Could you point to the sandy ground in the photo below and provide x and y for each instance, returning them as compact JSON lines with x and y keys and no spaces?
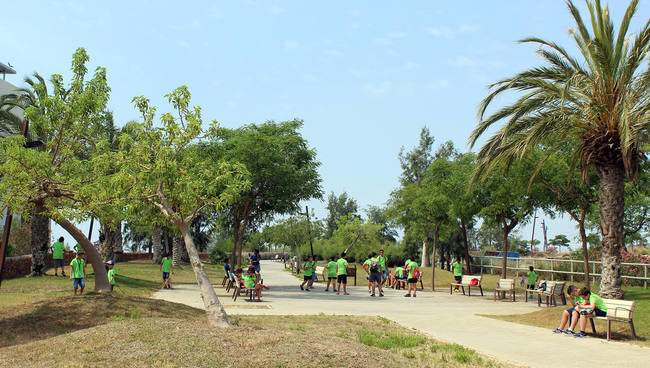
{"x":451,"y":318}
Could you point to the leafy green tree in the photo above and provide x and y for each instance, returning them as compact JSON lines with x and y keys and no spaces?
{"x":57,"y":181}
{"x":161,"y":169}
{"x":415,"y":163}
{"x":338,"y":207}
{"x":379,"y":216}
{"x":283,"y":172}
{"x":560,"y":241}
{"x":509,"y":200}
{"x":599,"y":100}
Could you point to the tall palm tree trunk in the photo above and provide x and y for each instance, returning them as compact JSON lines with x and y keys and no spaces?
{"x":177,"y":256}
{"x":156,"y":240}
{"x":40,"y":239}
{"x":612,"y":203}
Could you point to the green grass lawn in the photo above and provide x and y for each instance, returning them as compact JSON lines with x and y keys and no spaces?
{"x":550,"y":318}
{"x":135,"y":278}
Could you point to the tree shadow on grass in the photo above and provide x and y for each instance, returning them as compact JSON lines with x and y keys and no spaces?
{"x":26,"y":323}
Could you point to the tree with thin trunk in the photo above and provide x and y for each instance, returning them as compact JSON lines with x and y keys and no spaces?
{"x":599,"y":100}
{"x":58,"y":179}
{"x":156,"y":240}
{"x":163,"y":169}
{"x":283,"y":172}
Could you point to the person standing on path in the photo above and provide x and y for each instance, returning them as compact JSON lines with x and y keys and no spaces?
{"x":167,"y":268}
{"x":375,"y":274}
{"x":57,"y":256}
{"x":384,"y":270}
{"x":412,"y":268}
{"x":331,"y":274}
{"x":314,"y":275}
{"x":366,"y":267}
{"x":255,"y":260}
{"x":309,"y":269}
{"x":532,"y":279}
{"x":78,"y":273}
{"x":458,"y":273}
{"x":342,"y":274}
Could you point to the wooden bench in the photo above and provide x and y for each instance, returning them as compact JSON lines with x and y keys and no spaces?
{"x":505,"y":286}
{"x":466,"y":280}
{"x":239,"y":290}
{"x":617,"y":311}
{"x":554,"y":289}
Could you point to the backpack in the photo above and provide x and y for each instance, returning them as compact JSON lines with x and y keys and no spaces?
{"x":374,"y":266}
{"x":416,"y":274}
{"x":474,"y":282}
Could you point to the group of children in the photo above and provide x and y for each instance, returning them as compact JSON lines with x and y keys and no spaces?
{"x":585,"y":305}
{"x":251,"y":279}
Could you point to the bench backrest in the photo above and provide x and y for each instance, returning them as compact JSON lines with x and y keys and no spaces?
{"x":467,"y":279}
{"x":621,"y":309}
{"x":506,"y":284}
{"x":559,"y":288}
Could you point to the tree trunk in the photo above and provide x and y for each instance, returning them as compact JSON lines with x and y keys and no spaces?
{"x":612,"y":203}
{"x":106,"y":241}
{"x":504,"y":268}
{"x":425,"y":259}
{"x":40,"y":239}
{"x":185,"y":257}
{"x":116,"y":243}
{"x":177,"y":243}
{"x":235,"y":259}
{"x":585,"y":251}
{"x":92,"y":255}
{"x":466,"y":243}
{"x":433,"y":257}
{"x":156,"y":240}
{"x":217,"y":316}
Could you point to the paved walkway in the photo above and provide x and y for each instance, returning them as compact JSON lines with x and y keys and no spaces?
{"x":451,"y":318}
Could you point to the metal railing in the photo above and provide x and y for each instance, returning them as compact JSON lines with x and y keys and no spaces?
{"x":555,"y":266}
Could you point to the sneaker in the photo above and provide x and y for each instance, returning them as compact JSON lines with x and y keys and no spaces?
{"x":301,"y":288}
{"x":414,"y":295}
{"x":372,"y":294}
{"x":559,"y":331}
{"x":369,"y":291}
{"x":569,"y":332}
{"x":580,"y":334}
{"x":407,"y":295}
{"x":381,"y":293}
{"x":326,"y":290}
{"x":307,"y":290}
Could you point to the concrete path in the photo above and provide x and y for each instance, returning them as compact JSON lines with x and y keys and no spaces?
{"x":450,"y":318}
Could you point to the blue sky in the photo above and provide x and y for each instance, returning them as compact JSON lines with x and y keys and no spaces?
{"x":365,"y":76}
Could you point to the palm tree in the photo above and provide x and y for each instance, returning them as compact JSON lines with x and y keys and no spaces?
{"x":10,"y":124}
{"x":601,"y":100}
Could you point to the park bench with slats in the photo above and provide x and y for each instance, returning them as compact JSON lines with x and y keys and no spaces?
{"x":617,"y":311}
{"x":505,"y":286}
{"x":466,"y":281}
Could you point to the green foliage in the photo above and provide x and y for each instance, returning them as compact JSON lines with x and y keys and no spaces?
{"x":338,"y":207}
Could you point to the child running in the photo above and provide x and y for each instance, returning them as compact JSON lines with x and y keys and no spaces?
{"x":331,"y":274}
{"x":309,"y":269}
{"x":342,"y":274}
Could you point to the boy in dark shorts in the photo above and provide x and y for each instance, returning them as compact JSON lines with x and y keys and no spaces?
{"x":375,"y":274}
{"x":167,"y":268}
{"x":331,"y":274}
{"x":412,"y":268}
{"x":532,"y":278}
{"x":309,"y":269}
{"x":458,"y":272}
{"x":571,"y":313}
{"x":57,"y":256}
{"x":342,"y":274}
{"x":594,"y":307}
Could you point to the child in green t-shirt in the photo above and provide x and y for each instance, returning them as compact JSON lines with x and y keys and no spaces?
{"x":250,"y":282}
{"x":342,"y":274}
{"x":571,"y":313}
{"x":111,"y":273}
{"x":57,"y":256}
{"x":78,"y":273}
{"x":457,"y":267}
{"x":593,"y":306}
{"x":309,"y":269}
{"x":167,"y":268}
{"x":331,"y":274}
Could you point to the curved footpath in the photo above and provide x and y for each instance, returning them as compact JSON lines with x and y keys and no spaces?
{"x":450,"y":318}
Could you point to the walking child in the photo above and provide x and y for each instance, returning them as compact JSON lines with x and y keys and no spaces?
{"x":384,"y":270}
{"x":342,"y":274}
{"x":532,"y":278}
{"x":331,"y":274}
{"x":309,"y":268}
{"x":167,"y":268}
{"x":412,"y":268}
{"x":57,"y":256}
{"x":458,"y":272}
{"x":111,"y":273}
{"x":78,"y":273}
{"x":366,"y":267}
